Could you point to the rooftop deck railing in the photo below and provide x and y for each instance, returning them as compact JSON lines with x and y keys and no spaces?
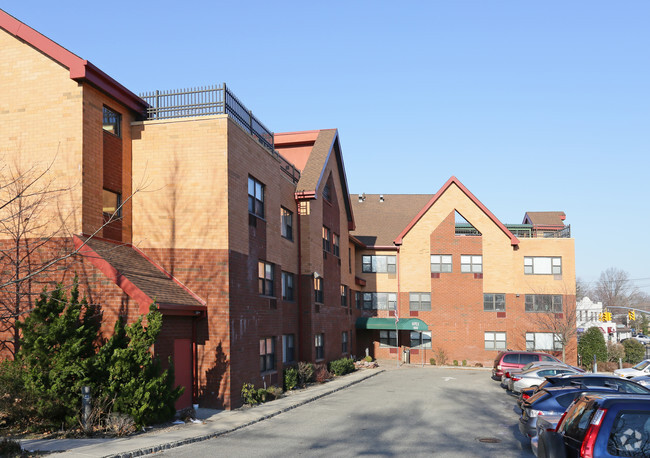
{"x":213,"y":100}
{"x":518,"y":230}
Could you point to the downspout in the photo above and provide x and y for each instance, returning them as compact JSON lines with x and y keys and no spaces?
{"x":299,"y":281}
{"x":399,"y":300}
{"x":195,"y":363}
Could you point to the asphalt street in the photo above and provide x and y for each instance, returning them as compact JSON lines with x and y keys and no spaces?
{"x":411,"y":411}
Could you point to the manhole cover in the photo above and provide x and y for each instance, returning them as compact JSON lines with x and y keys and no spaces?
{"x":489,"y":440}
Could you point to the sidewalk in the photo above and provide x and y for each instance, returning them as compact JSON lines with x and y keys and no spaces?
{"x":215,"y":423}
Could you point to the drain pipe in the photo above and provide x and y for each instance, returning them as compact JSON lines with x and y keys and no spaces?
{"x":299,"y":282}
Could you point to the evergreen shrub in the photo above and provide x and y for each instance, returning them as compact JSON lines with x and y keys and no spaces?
{"x":592,"y":343}
{"x":341,"y":366}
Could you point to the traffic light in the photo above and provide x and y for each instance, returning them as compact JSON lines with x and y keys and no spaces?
{"x":608,"y":316}
{"x":601,"y":317}
{"x":631,"y":315}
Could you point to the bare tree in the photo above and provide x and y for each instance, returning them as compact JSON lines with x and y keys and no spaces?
{"x":582,"y":289}
{"x":562,"y":325}
{"x":614,"y":288}
{"x":29,"y":226}
{"x":35,"y":240}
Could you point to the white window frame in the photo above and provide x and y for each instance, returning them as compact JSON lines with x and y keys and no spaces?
{"x":495,"y":340}
{"x":547,"y":341}
{"x":543,"y":265}
{"x":471,"y":264}
{"x":441,"y":263}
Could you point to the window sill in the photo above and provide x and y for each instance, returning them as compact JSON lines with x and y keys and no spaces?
{"x":267,"y":297}
{"x":257,"y":216}
{"x":286,"y":238}
{"x":269,"y":372}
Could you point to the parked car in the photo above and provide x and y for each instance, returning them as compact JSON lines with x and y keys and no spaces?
{"x":642,"y":338}
{"x":516,"y":359}
{"x":600,"y":425}
{"x":545,"y":423}
{"x":586,"y":381}
{"x":642,"y":380}
{"x":643,"y":368}
{"x":509,"y":373}
{"x":536,"y":376}
{"x":551,"y":401}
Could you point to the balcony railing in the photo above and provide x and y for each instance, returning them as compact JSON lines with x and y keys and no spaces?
{"x":518,"y":230}
{"x":213,"y":100}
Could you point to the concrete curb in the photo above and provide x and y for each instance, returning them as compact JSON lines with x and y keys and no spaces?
{"x":220,"y":424}
{"x":170,"y":445}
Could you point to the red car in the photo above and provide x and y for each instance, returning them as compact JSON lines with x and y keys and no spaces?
{"x":517,"y":359}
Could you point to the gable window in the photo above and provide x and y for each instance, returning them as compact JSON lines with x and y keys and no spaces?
{"x":379,"y":264}
{"x":540,"y":265}
{"x":542,"y":341}
{"x":420,"y":301}
{"x":288,"y":348}
{"x":286,"y":218}
{"x":440,"y":263}
{"x":265,"y":276}
{"x":344,"y":295}
{"x":544,"y":303}
{"x":319,"y":344}
{"x":380,"y":301}
{"x":318,"y":290}
{"x":112,"y":121}
{"x":471,"y":264}
{"x":287,"y":286}
{"x":344,"y":342}
{"x":335,"y":244}
{"x":388,"y":338}
{"x":112,"y":203}
{"x":255,"y":197}
{"x":420,"y":339}
{"x":495,"y":340}
{"x":494,"y":302}
{"x":327,"y":192}
{"x":267,"y":354}
{"x":327,"y":236}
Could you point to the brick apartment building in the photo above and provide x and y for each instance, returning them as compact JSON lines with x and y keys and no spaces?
{"x":250,"y":242}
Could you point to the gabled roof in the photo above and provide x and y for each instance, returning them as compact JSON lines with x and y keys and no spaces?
{"x":379,"y":222}
{"x":80,"y":70}
{"x":310,"y":151}
{"x":139,"y":277}
{"x":548,"y":219}
{"x":453,"y":180}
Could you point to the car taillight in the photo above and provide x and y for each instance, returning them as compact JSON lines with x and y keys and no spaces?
{"x":560,"y":422}
{"x":515,"y":378}
{"x":588,"y":445}
{"x":498,"y":367}
{"x":525,"y":396}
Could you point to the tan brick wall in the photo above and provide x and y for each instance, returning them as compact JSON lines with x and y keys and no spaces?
{"x":181,"y":167}
{"x":40,"y":119}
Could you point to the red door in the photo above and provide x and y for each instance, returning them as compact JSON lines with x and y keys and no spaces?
{"x":183,"y":371}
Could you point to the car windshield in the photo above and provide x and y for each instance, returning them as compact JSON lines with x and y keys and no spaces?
{"x":642,"y":365}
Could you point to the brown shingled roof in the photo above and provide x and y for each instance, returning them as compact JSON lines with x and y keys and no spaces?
{"x":379,"y":223}
{"x":545,"y":218}
{"x":141,"y":272}
{"x":311,"y":175}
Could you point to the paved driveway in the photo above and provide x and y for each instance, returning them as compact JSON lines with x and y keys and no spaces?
{"x":411,"y":411}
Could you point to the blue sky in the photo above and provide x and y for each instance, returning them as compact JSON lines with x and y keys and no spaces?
{"x":534,"y":106}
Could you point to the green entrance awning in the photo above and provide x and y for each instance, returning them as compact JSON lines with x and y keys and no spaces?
{"x":404,"y":324}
